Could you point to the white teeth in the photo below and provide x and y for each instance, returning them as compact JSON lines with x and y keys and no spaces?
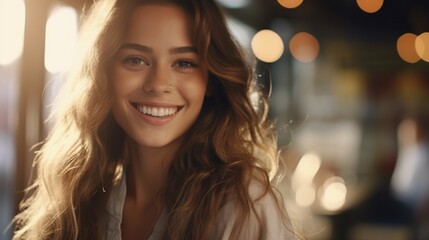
{"x":157,"y":111}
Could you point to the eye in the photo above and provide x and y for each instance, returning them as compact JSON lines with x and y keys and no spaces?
{"x":184,"y":64}
{"x":135,"y":62}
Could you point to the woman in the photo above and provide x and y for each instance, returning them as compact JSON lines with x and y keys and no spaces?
{"x":155,"y":136}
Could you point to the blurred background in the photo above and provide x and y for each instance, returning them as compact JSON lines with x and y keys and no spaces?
{"x":348,"y":82}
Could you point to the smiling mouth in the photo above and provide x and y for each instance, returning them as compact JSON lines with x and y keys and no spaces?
{"x":157,"y":111}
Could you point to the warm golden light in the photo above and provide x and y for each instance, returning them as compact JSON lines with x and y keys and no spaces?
{"x":61,"y":37}
{"x":406,"y":47}
{"x":304,"y":47}
{"x":305,"y":195}
{"x":290,"y":3}
{"x":370,"y":6}
{"x":305,"y":171}
{"x":267,"y":46}
{"x":12,"y":22}
{"x":422,"y":46}
{"x":333,"y":194}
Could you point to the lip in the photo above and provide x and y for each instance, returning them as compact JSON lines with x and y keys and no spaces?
{"x":154,"y":120}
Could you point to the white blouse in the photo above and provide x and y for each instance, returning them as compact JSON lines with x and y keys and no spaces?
{"x":266,"y":208}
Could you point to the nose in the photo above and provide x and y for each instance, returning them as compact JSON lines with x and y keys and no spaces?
{"x":158,"y":81}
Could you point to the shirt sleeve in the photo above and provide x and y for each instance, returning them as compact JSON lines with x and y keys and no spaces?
{"x":275,"y":226}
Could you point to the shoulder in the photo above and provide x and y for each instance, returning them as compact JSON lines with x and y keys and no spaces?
{"x":269,"y":217}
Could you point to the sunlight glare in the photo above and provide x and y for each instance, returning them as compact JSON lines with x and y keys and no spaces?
{"x":305,"y":195}
{"x":306,"y":170}
{"x":333,"y":193}
{"x":12,"y":23}
{"x":61,"y":37}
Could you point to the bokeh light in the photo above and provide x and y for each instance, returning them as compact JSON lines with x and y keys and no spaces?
{"x":290,"y":3}
{"x":305,"y":195}
{"x":333,"y":194}
{"x":406,"y":47}
{"x":267,"y":46}
{"x":370,"y":6}
{"x":305,"y":170}
{"x":61,"y":37}
{"x":12,"y":23}
{"x":234,"y":3}
{"x":407,"y":132}
{"x":422,"y":46}
{"x":304,"y":47}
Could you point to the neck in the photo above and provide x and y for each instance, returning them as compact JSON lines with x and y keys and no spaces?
{"x":148,"y":171}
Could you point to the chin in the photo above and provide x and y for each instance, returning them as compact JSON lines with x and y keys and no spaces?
{"x":155,"y":142}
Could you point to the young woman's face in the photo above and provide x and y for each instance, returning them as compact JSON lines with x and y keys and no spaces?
{"x":159,"y":80}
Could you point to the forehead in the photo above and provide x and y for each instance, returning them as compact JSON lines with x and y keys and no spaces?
{"x":154,"y":24}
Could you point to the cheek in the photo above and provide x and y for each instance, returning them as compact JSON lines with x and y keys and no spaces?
{"x":122,"y":82}
{"x":195,"y":88}
{"x":195,"y":92}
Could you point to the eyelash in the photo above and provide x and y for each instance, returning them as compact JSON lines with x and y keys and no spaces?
{"x":181,"y":63}
{"x":189,"y":63}
{"x":131,"y":61}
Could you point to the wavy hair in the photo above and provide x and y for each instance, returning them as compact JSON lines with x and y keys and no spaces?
{"x":229,"y":145}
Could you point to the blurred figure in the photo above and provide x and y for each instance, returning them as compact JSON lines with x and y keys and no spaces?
{"x":410,"y":179}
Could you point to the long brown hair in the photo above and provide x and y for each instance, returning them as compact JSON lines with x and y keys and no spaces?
{"x":228,"y":146}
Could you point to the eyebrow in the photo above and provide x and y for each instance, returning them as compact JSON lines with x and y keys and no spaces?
{"x":146,"y":49}
{"x":183,"y":50}
{"x":137,"y":47}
